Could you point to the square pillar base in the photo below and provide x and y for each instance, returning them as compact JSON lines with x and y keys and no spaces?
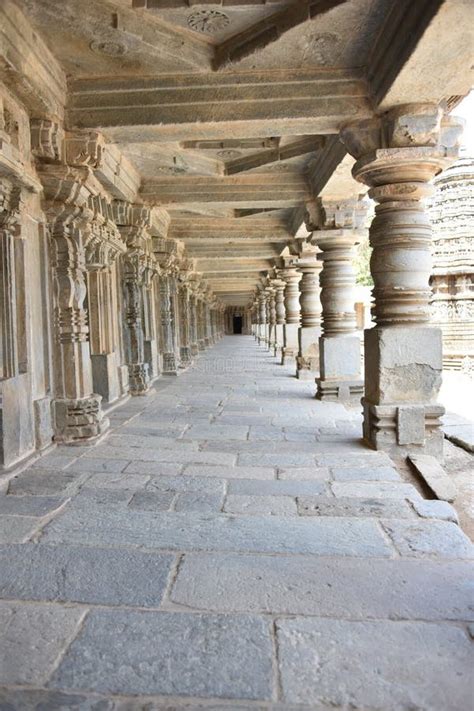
{"x":80,"y":420}
{"x":339,"y":367}
{"x":290,"y":343}
{"x":402,"y":378}
{"x":307,"y":362}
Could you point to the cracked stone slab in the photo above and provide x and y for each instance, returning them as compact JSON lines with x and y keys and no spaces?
{"x":327,"y":587}
{"x":366,"y":664}
{"x":29,"y":505}
{"x":31,"y":639}
{"x":441,"y":539}
{"x":261,"y":504}
{"x":192,"y":531}
{"x":82,"y":574}
{"x":359,"y":507}
{"x":132,"y":652}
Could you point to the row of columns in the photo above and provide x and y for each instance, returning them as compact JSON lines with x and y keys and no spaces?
{"x":397,"y":156}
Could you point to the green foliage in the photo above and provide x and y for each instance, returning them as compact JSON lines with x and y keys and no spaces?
{"x":362,"y":263}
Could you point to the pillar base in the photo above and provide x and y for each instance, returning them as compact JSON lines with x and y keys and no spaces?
{"x":105,"y":376}
{"x":201,"y":344}
{"x":170,"y":365}
{"x":288,"y":356}
{"x":194,"y":349}
{"x":139,"y":378}
{"x":402,"y":377}
{"x":339,"y":366}
{"x":344,"y":391}
{"x":79,"y":420}
{"x":307,"y":362}
{"x":185,"y":356}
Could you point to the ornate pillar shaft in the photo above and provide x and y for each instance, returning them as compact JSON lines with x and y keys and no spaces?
{"x":398,"y":156}
{"x":201,"y":326}
{"x":291,"y":276}
{"x":335,"y":224}
{"x":193,"y":326}
{"x":307,"y":362}
{"x":279,"y":287}
{"x":185,"y":326}
{"x":170,"y":365}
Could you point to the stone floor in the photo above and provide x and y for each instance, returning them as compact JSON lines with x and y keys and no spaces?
{"x":231,"y":545}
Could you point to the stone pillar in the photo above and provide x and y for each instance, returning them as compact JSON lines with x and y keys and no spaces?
{"x":279,"y":287}
{"x":133,"y":221}
{"x":337,"y":222}
{"x":307,"y":361}
{"x":397,"y":156}
{"x":207,"y":324}
{"x":170,"y":363}
{"x":185,"y":325}
{"x":193,"y":326}
{"x":291,"y":276}
{"x":262,"y":317}
{"x":201,"y":326}
{"x":271,"y":318}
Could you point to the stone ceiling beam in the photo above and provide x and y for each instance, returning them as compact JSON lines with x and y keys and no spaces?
{"x":301,"y":147}
{"x":253,"y":190}
{"x":220,"y":106}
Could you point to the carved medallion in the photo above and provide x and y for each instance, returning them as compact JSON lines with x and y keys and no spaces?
{"x":111,"y":48}
{"x":208,"y":21}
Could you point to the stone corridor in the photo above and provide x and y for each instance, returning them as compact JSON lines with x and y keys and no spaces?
{"x":230,"y":544}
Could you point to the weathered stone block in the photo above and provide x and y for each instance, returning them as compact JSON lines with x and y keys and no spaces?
{"x":440,"y":539}
{"x":187,"y":654}
{"x":31,"y":640}
{"x":358,"y":507}
{"x":339,"y":357}
{"x":366,"y":665}
{"x":89,"y":575}
{"x":43,"y":422}
{"x":262,"y":504}
{"x":434,"y":475}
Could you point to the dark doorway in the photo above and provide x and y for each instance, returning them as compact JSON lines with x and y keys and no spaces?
{"x":237,"y":324}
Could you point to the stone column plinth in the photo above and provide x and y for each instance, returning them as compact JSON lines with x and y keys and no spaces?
{"x":403,"y":355}
{"x":291,"y":277}
{"x":339,"y":346}
{"x":307,"y":361}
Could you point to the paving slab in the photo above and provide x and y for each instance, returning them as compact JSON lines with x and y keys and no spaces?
{"x":29,"y":505}
{"x":192,"y":531}
{"x":434,"y":475}
{"x":42,"y":700}
{"x":195,"y":501}
{"x":152,"y":500}
{"x":32,"y":637}
{"x":276,"y":488}
{"x":358,"y":507}
{"x":305,"y":473}
{"x":435,"y":509}
{"x":132,"y":652}
{"x":261,"y":504}
{"x":367,"y":473}
{"x":46,"y":482}
{"x":93,"y":466}
{"x":81,"y":574}
{"x":238,"y":472}
{"x":440,"y":539}
{"x":16,"y":529}
{"x":365,"y":664}
{"x":327,"y":587}
{"x":375,"y":490}
{"x":187,"y":484}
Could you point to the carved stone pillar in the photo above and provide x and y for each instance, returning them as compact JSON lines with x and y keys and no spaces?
{"x":185,"y":325}
{"x":262,"y":317}
{"x":279,"y":287}
{"x":336,"y":223}
{"x":307,"y":361}
{"x":291,"y":276}
{"x":193,"y":326}
{"x":137,"y":268}
{"x":170,"y":364}
{"x":201,"y":326}
{"x":397,"y":156}
{"x":271,"y":315}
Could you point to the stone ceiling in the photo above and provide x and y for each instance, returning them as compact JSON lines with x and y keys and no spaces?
{"x":230,"y":110}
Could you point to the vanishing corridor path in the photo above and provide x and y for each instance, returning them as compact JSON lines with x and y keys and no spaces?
{"x":230,"y":545}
